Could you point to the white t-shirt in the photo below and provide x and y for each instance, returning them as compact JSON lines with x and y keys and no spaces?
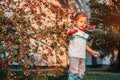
{"x":77,"y":44}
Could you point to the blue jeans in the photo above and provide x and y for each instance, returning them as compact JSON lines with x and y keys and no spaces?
{"x":72,"y":76}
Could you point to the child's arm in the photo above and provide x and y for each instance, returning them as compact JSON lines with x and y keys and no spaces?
{"x":94,"y":53}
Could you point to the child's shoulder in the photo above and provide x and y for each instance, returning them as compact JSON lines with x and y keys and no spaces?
{"x":72,"y":31}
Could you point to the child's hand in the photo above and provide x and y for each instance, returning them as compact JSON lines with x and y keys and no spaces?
{"x":95,"y":54}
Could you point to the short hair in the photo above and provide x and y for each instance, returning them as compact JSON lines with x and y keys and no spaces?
{"x":80,"y":14}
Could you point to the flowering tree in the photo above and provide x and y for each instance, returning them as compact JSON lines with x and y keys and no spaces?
{"x":33,"y":28}
{"x":106,"y":16}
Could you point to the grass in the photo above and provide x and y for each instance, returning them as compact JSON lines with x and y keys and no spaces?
{"x":102,"y":77}
{"x":90,"y":75}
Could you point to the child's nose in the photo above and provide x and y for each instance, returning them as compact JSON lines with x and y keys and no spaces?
{"x":83,"y":24}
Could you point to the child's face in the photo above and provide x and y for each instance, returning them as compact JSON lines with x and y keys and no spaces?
{"x":80,"y":22}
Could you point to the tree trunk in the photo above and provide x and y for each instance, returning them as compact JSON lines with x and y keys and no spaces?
{"x":118,"y":57}
{"x":116,"y":64}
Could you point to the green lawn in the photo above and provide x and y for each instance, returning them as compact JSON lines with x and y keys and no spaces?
{"x":89,"y":76}
{"x":102,"y":77}
{"x":92,"y":77}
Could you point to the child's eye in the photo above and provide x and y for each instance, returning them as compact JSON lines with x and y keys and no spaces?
{"x":82,"y":22}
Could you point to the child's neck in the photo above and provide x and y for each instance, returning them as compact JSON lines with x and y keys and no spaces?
{"x":81,"y":29}
{"x":87,"y":28}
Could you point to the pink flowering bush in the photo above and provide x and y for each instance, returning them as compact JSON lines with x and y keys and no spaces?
{"x":33,"y":32}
